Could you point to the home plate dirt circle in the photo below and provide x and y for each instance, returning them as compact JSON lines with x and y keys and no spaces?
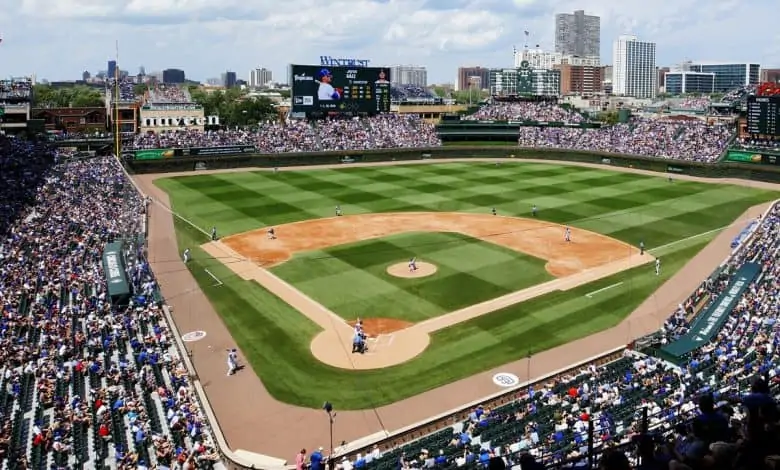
{"x":402,"y":270}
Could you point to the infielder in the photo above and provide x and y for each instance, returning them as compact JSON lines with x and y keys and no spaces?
{"x":271,"y":233}
{"x":534,"y":210}
{"x":413,"y":265}
{"x":657,"y":267}
{"x":567,"y":234}
{"x":186,"y":255}
{"x":338,"y":211}
{"x":493,"y":210}
{"x":232,"y":362}
{"x":641,"y":247}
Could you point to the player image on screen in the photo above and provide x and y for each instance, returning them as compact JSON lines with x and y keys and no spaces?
{"x":326,"y":92}
{"x":382,"y":77}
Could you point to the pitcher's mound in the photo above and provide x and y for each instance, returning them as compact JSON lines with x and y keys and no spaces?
{"x":402,"y":270}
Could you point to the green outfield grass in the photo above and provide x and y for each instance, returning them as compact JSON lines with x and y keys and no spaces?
{"x":352,"y":279}
{"x":275,"y":339}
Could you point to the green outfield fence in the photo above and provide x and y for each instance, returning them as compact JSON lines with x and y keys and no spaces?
{"x":728,"y":168}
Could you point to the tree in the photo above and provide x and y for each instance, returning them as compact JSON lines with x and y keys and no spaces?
{"x":233,"y":106}
{"x":45,"y":96}
{"x":474,"y":96}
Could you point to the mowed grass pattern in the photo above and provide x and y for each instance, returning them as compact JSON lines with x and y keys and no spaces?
{"x":352,"y":280}
{"x":625,"y":206}
{"x":275,"y":338}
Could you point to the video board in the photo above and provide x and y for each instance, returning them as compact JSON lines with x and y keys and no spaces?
{"x":763,"y":115}
{"x":340,"y":89}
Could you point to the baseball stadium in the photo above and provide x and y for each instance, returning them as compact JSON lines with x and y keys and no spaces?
{"x":521,"y":283}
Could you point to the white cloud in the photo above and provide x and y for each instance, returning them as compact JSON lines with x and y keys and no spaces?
{"x":58,"y":39}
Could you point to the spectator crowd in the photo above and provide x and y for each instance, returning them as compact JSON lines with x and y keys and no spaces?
{"x":682,"y":140}
{"x":526,"y":111}
{"x":126,"y":90}
{"x":375,"y":132}
{"x":86,"y":382}
{"x":715,"y":410}
{"x":169,"y":94}
{"x":16,"y":88}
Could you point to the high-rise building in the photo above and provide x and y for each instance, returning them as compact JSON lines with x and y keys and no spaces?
{"x":414,"y":75}
{"x":770,"y":75}
{"x":86,"y":75}
{"x":478,"y":77}
{"x":729,"y":75}
{"x":229,"y":79}
{"x":112,"y":69}
{"x":173,"y":76}
{"x":260,"y":77}
{"x":580,"y":79}
{"x":661,"y":77}
{"x":578,"y":34}
{"x":634,"y":71}
{"x":678,"y":83}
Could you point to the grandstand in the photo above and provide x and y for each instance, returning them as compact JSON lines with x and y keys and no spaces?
{"x":410,"y":94}
{"x":92,"y":377}
{"x":163,"y":94}
{"x":16,"y":95}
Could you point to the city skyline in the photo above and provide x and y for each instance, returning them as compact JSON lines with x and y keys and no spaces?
{"x":207,"y":39}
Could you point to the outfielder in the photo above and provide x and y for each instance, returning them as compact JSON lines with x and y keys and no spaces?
{"x":493,"y":210}
{"x":534,"y":210}
{"x":413,"y":265}
{"x":657,"y":267}
{"x":641,"y":247}
{"x":213,"y":233}
{"x":567,"y":234}
{"x":186,"y":255}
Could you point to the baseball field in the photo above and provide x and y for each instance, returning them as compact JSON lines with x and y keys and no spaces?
{"x":489,"y":289}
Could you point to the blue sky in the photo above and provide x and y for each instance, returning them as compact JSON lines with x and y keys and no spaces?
{"x":59,"y":39}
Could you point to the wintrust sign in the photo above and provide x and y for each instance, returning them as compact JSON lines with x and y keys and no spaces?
{"x":328,"y":61}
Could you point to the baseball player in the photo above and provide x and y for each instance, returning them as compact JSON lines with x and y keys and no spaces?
{"x":338,"y":211}
{"x":276,"y":169}
{"x":493,"y":210}
{"x":186,"y":255}
{"x":641,"y":247}
{"x":213,"y":233}
{"x":413,"y":265}
{"x":271,"y":233}
{"x":657,"y":267}
{"x":232,"y":361}
{"x":326,"y":92}
{"x":534,"y":210}
{"x":567,"y":234}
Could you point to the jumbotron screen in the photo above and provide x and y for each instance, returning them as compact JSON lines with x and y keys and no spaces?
{"x":763,"y":115}
{"x":340,"y":89}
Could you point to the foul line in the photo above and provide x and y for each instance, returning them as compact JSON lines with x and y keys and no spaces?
{"x":692,"y":237}
{"x":186,"y":221}
{"x":218,"y":282}
{"x":591,"y":294}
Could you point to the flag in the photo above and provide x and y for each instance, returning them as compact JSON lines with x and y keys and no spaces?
{"x":526,"y":33}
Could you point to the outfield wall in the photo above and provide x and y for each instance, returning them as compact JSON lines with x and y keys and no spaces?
{"x":708,"y":170}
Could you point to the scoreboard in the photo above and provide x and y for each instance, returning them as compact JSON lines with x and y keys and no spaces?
{"x":340,"y":89}
{"x":763,"y":115}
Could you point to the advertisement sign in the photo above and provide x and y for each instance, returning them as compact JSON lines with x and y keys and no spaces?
{"x":743,"y":157}
{"x":216,"y":151}
{"x":675,"y":169}
{"x":328,"y":61}
{"x":114,"y":272}
{"x":709,"y":322}
{"x":153,"y":154}
{"x":340,"y":89}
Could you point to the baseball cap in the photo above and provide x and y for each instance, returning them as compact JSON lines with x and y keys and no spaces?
{"x":324,"y":73}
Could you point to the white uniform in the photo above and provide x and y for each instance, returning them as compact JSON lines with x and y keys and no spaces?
{"x":413,"y":264}
{"x":232,"y":361}
{"x":567,"y":234}
{"x":186,"y":255}
{"x":657,"y":267}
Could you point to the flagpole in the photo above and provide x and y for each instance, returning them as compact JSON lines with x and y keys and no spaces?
{"x":117,"y":139}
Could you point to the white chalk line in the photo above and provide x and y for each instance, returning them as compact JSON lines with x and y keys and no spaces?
{"x":591,"y":294}
{"x":216,"y":279}
{"x":692,"y":237}
{"x":186,"y":221}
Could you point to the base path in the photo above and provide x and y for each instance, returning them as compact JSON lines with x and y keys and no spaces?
{"x":423,"y":269}
{"x":243,"y":405}
{"x":588,"y":257}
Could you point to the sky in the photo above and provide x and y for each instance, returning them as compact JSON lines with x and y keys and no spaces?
{"x":59,"y":39}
